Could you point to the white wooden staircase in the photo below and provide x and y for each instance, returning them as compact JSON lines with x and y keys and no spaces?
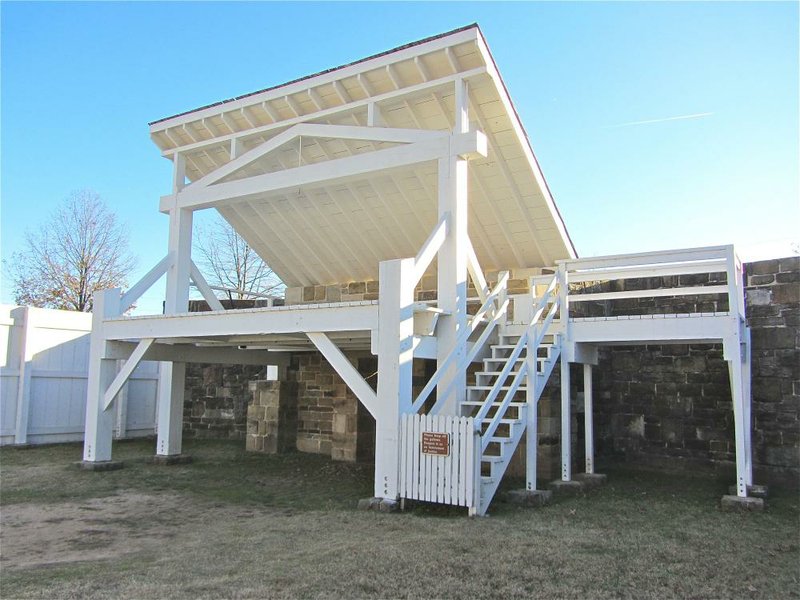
{"x":497,"y":408}
{"x":498,"y":401}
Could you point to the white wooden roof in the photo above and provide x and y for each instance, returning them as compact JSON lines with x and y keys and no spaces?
{"x":340,"y":232}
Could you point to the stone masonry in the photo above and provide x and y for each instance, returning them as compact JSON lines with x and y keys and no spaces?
{"x":665,"y":404}
{"x":272,"y":417}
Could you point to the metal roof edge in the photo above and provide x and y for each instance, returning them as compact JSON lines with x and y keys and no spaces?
{"x":324,"y":72}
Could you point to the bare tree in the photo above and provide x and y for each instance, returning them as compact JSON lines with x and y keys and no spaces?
{"x":227,"y":261}
{"x":81,"y":249}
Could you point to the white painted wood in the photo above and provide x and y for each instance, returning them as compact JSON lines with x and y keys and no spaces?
{"x":331,"y":113}
{"x":99,"y":423}
{"x":566,"y":422}
{"x":170,"y":408}
{"x":178,"y":172}
{"x":657,"y":293}
{"x":476,"y":273}
{"x":588,"y":417}
{"x":452,"y":259}
{"x":146,"y":282}
{"x":121,"y":426}
{"x":614,"y":261}
{"x":189,"y":353}
{"x":335,"y":75}
{"x":747,"y":400}
{"x":443,"y":479}
{"x":532,"y":410}
{"x":333,"y":171}
{"x":431,"y":247}
{"x":733,"y":351}
{"x":126,"y":371}
{"x":259,"y":321}
{"x":654,"y":270}
{"x":395,"y":360}
{"x":204,"y":288}
{"x":172,"y":374}
{"x":346,"y":371}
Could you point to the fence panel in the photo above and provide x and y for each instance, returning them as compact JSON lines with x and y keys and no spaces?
{"x":438,"y":459}
{"x":48,"y":351}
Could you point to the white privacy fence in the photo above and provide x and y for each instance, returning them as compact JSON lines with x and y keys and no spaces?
{"x":44,"y":357}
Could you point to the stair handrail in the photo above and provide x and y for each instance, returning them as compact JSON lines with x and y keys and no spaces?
{"x":548,"y":297}
{"x":498,"y":309}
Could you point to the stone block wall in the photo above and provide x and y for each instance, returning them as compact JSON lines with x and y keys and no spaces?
{"x":671,"y":404}
{"x":216,"y":400}
{"x":330,"y":419}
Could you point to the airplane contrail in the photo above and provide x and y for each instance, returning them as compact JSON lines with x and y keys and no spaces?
{"x":647,"y":122}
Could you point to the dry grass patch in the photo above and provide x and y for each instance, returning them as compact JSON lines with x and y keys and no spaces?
{"x":241,"y":526}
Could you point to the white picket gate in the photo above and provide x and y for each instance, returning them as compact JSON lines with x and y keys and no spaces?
{"x":44,"y":357}
{"x":440,"y":459}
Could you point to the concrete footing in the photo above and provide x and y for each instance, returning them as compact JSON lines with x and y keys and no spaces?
{"x":591,"y":480}
{"x":738,"y":504}
{"x":173,"y":459}
{"x":565,"y":488}
{"x":379,"y":504}
{"x":529,"y":497}
{"x":756,"y":491}
{"x":103,"y":465}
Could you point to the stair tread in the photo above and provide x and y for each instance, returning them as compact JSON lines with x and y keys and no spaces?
{"x":503,"y":421}
{"x":500,"y":440}
{"x":481,"y":403}
{"x":491,"y":458}
{"x":489,"y":387}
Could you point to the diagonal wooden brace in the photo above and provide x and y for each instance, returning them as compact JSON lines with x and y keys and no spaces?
{"x":125,"y":372}
{"x":346,"y":370}
{"x":204,"y":288}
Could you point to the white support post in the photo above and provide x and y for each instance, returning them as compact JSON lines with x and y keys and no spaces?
{"x":395,"y":362}
{"x":532,"y":408}
{"x":22,"y":319}
{"x":121,"y":428}
{"x":733,"y":355}
{"x":452,"y":262}
{"x":588,"y":413}
{"x":566,"y":421}
{"x":99,"y":422}
{"x":747,"y":399}
{"x":172,"y":374}
{"x":179,"y":172}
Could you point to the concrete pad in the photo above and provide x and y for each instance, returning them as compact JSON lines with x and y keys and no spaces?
{"x":591,"y":480}
{"x":736,"y":503}
{"x":756,"y":491}
{"x":369,"y":503}
{"x":104,"y":465}
{"x":529,"y":497}
{"x":565,"y":488}
{"x":173,"y":459}
{"x":387,"y":505}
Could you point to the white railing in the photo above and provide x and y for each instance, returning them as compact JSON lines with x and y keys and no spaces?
{"x":695,"y":261}
{"x":491,"y":312}
{"x":531,"y":339}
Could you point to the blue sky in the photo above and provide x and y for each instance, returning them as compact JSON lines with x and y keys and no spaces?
{"x":81,"y":81}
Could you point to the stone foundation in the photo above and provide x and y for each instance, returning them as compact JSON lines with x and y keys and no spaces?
{"x":272,"y":417}
{"x":217,"y":397}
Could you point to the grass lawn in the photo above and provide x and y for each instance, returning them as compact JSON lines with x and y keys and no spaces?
{"x":240,"y":525}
